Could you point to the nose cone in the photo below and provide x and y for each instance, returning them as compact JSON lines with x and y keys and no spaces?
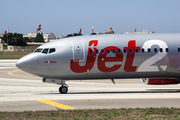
{"x":25,"y":64}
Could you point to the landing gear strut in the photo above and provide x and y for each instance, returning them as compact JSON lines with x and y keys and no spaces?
{"x":64,"y":88}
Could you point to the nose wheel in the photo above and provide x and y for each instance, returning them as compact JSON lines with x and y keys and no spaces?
{"x":63,"y":89}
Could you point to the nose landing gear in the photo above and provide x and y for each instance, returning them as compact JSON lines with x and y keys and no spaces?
{"x":64,"y":88}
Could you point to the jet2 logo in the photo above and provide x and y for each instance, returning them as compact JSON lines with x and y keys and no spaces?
{"x":91,"y":57}
{"x":128,"y":66}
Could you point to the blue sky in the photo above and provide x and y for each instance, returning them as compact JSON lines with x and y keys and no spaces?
{"x":68,"y":16}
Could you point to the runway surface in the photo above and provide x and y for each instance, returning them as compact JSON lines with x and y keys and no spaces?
{"x":20,"y":91}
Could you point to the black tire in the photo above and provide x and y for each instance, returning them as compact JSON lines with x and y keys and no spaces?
{"x":63,"y":89}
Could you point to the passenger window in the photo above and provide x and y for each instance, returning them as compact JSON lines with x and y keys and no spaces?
{"x":161,"y":50}
{"x":96,"y":50}
{"x":124,"y":50}
{"x":119,"y":50}
{"x":114,"y":50}
{"x":178,"y":49}
{"x":155,"y":49}
{"x":149,"y":50}
{"x":102,"y":51}
{"x":52,"y":50}
{"x":108,"y":51}
{"x":45,"y":51}
{"x":38,"y":50}
{"x":137,"y":50}
{"x":167,"y":50}
{"x":130,"y":50}
{"x":90,"y":51}
{"x":142,"y":50}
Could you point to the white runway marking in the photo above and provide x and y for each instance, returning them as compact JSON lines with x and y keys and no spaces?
{"x":6,"y":67}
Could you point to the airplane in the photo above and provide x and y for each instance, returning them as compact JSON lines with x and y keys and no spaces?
{"x":152,"y":58}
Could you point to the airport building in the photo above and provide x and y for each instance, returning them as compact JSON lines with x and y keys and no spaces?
{"x":1,"y":35}
{"x":1,"y":45}
{"x":31,"y":35}
{"x":144,"y":31}
{"x":110,"y":31}
{"x":49,"y":37}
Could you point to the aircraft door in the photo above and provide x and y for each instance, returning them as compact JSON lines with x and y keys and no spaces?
{"x":78,"y":50}
{"x":35,"y":63}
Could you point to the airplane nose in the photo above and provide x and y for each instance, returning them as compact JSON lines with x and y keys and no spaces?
{"x":24,"y":64}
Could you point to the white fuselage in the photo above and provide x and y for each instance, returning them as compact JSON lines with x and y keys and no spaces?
{"x":106,"y":57}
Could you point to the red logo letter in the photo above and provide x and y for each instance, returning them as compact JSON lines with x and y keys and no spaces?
{"x":128,"y":67}
{"x":102,"y":59}
{"x":91,"y":57}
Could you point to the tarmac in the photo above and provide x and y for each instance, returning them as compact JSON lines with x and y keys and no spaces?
{"x":20,"y":91}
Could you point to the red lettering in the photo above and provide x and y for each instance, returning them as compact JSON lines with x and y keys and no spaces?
{"x":53,"y":62}
{"x":91,"y":57}
{"x":128,"y":67}
{"x":50,"y":62}
{"x":102,"y":59}
{"x":93,"y":43}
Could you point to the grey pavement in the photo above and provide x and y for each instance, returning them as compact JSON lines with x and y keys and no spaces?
{"x":20,"y":91}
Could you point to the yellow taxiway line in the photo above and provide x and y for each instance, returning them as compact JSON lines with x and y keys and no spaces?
{"x":58,"y":105}
{"x":20,"y":75}
{"x":11,"y":72}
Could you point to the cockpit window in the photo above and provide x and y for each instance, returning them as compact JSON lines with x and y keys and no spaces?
{"x":38,"y":50}
{"x":52,"y":50}
{"x":45,"y":51}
